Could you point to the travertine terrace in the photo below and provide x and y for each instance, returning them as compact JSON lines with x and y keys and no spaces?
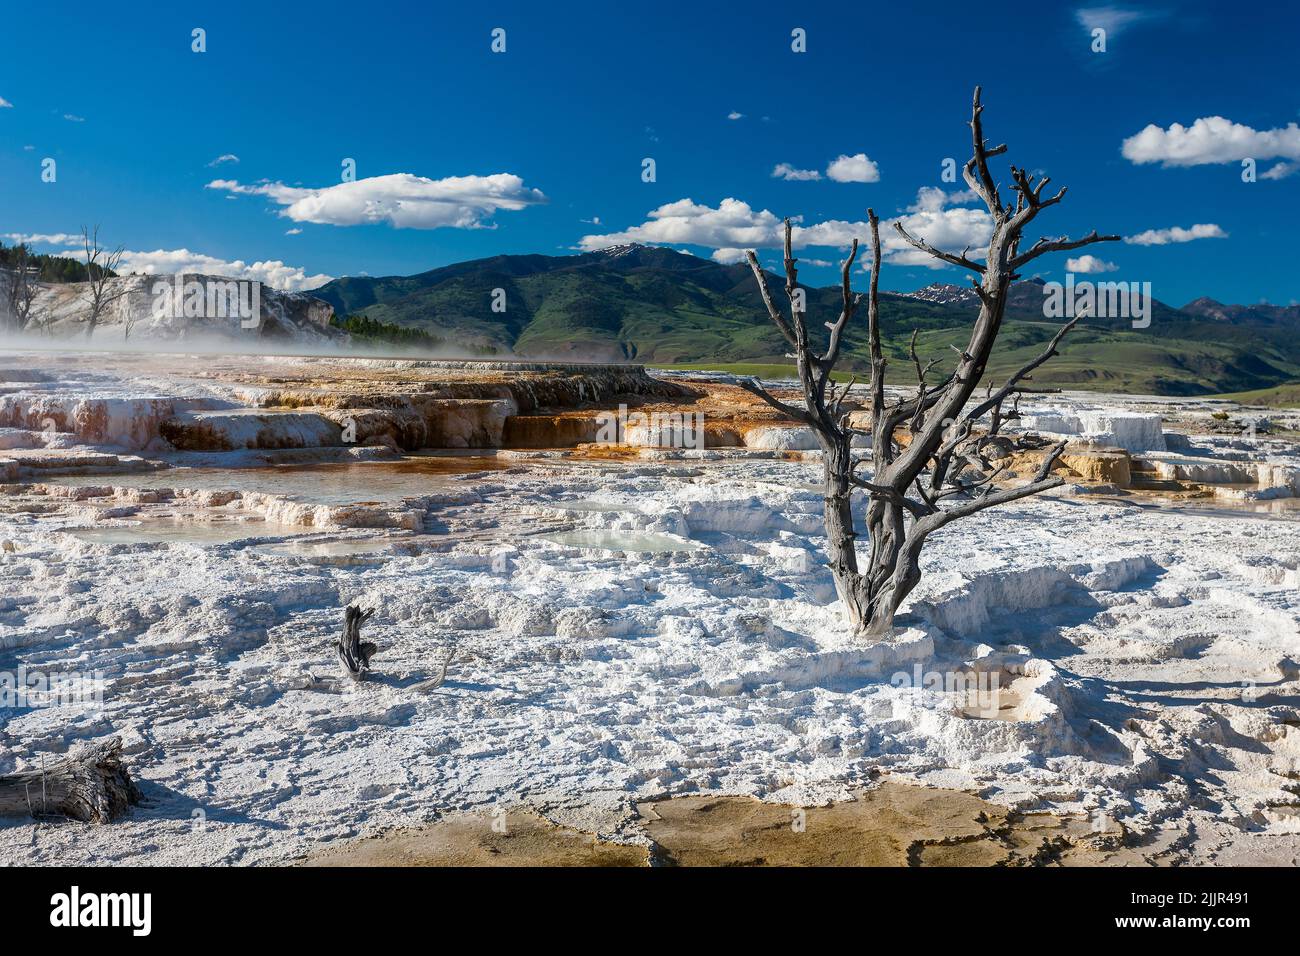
{"x":622,"y":623}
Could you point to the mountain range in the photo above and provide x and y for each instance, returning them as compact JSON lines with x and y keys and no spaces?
{"x":663,"y":307}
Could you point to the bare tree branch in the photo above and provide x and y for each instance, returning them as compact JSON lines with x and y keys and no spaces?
{"x":925,"y":247}
{"x":1043,"y":246}
{"x":798,"y":414}
{"x":773,"y":312}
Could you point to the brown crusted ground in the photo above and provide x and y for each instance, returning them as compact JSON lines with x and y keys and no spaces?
{"x":896,"y":824}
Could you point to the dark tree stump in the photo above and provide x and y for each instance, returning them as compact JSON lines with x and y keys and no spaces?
{"x":90,"y":784}
{"x":353,"y":654}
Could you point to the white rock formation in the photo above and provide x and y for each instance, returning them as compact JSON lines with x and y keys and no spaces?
{"x":781,"y":438}
{"x":148,"y":309}
{"x":1127,"y":430}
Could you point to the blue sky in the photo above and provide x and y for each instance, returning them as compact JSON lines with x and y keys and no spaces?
{"x":462,"y":153}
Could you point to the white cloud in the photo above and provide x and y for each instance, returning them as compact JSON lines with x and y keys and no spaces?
{"x":1280,"y":171}
{"x":224,"y":158}
{"x":1163,"y":237}
{"x":402,"y":200}
{"x":272,"y":272}
{"x":169,"y":262}
{"x":1114,"y":20}
{"x":853,"y":169}
{"x":734,"y":115}
{"x":790,"y":174}
{"x":1210,"y":139}
{"x":734,"y":226}
{"x":295,"y":231}
{"x":929,"y":218}
{"x":44,"y":238}
{"x":5,"y":104}
{"x":1089,"y":264}
{"x":73,"y":118}
{"x":728,"y":257}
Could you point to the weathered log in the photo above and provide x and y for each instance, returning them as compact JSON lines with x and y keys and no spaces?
{"x":90,"y":784}
{"x":352,"y":653}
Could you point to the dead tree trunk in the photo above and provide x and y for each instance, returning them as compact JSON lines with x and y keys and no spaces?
{"x":101,"y":269}
{"x":22,"y":290}
{"x":91,"y":784}
{"x":918,"y":487}
{"x":353,"y":654}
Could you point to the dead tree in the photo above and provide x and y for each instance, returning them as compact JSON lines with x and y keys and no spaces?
{"x":936,"y":473}
{"x":92,"y":784}
{"x":21,"y":291}
{"x":101,"y":269}
{"x":353,"y":654}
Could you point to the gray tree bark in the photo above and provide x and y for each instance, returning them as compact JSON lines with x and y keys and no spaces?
{"x":353,"y":654}
{"x":91,"y":784}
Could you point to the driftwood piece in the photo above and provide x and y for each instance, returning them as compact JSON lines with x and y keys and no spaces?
{"x":90,"y":784}
{"x":353,"y":654}
{"x":436,"y":682}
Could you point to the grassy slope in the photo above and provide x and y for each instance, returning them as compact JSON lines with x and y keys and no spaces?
{"x":707,"y":316}
{"x":1280,"y":396}
{"x":1092,"y":361}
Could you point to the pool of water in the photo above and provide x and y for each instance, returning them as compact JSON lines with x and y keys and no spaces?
{"x":606,"y":540}
{"x":1236,"y":507}
{"x":177,"y":531}
{"x":326,"y":483}
{"x":593,"y":505}
{"x":1287,"y":509}
{"x":330,"y":548}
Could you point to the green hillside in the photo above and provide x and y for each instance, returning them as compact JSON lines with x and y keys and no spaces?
{"x":668,"y":308}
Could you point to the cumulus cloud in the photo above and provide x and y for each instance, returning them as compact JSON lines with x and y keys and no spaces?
{"x":735,"y":115}
{"x":5,"y":104}
{"x":728,"y":257}
{"x":1114,"y":20}
{"x":734,"y":226}
{"x":1089,"y":264}
{"x":790,"y":174}
{"x":1210,"y":139}
{"x":402,"y":200}
{"x":1163,"y":237}
{"x":271,"y":272}
{"x":1280,"y":171}
{"x":949,"y":229}
{"x":73,"y":118}
{"x":224,"y":158}
{"x":853,"y":169}
{"x":43,"y":238}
